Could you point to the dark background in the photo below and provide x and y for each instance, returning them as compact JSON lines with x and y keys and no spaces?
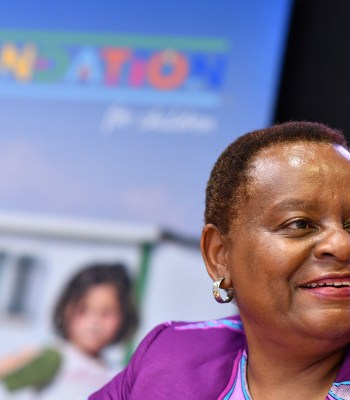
{"x":315,"y":79}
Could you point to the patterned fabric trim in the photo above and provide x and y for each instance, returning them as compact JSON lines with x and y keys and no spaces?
{"x":340,"y":391}
{"x":233,"y":380}
{"x":235,"y":325}
{"x":244,"y":383}
{"x":238,"y":387}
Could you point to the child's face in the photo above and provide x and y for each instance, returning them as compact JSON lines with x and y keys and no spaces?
{"x":94,"y":321}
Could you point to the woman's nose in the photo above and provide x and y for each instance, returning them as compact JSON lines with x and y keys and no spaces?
{"x":335,"y":244}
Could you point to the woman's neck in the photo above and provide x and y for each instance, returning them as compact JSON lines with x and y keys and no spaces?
{"x":276,"y":374}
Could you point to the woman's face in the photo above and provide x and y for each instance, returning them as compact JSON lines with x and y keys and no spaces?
{"x":94,"y":321}
{"x":289,"y":251}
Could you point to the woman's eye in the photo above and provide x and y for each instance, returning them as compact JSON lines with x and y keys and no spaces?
{"x":347,"y":226}
{"x":300,"y":227}
{"x":301,"y":224}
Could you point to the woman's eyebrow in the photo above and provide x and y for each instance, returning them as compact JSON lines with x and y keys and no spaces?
{"x":292,"y":204}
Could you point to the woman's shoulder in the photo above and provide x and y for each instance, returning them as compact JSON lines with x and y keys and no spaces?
{"x":192,"y":337}
{"x":229,"y":328}
{"x":177,"y":351}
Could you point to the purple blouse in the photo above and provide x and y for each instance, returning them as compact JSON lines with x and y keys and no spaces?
{"x":197,"y":361}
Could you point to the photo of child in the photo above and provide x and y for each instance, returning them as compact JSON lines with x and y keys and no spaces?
{"x":96,"y":309}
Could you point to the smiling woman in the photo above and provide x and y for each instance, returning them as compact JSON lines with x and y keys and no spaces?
{"x":277,"y":235}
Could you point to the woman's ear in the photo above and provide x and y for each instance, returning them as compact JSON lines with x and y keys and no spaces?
{"x":214,"y":252}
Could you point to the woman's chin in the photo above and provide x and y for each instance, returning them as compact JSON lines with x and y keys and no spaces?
{"x":327,"y":324}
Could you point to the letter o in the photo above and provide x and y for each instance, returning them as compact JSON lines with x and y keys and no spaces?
{"x":170,"y":81}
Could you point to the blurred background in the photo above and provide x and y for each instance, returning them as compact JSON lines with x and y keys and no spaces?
{"x":112,"y":114}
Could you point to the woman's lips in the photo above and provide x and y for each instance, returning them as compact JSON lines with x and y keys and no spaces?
{"x":328,"y":282}
{"x":329,"y":287}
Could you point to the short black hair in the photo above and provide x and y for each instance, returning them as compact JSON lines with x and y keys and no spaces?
{"x":115,"y":275}
{"x":231,"y":171}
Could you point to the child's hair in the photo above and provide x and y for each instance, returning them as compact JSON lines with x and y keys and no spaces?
{"x":99,"y":273}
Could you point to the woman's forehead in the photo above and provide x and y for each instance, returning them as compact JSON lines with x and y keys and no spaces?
{"x":299,"y":154}
{"x":342,"y":151}
{"x":287,"y":166}
{"x":294,"y":176}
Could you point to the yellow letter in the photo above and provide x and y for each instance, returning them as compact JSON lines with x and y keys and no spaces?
{"x":20,"y":63}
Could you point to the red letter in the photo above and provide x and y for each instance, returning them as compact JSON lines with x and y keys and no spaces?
{"x":179,"y":68}
{"x":115,"y":58}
